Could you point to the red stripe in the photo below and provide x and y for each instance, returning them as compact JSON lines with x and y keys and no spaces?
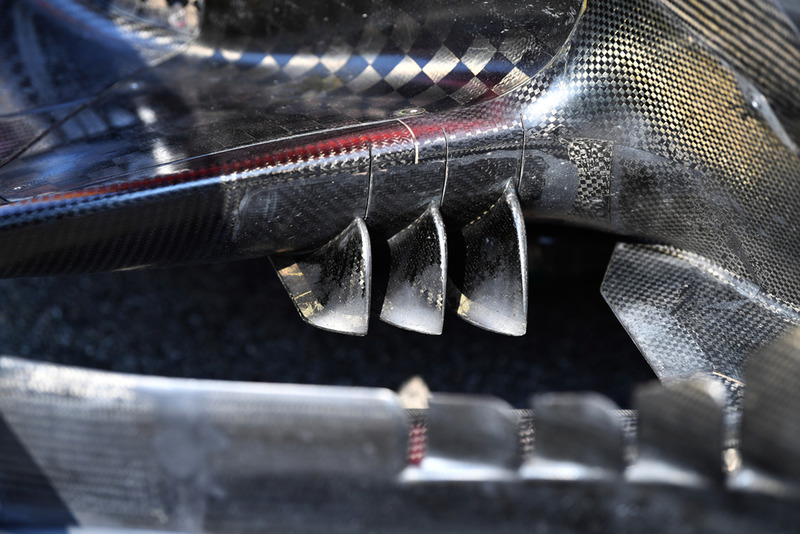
{"x":297,"y":155}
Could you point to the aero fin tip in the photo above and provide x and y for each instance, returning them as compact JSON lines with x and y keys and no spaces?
{"x":494,"y":294}
{"x":331,"y":286}
{"x":417,"y":280}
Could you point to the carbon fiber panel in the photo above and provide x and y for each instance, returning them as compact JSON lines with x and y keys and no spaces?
{"x":378,"y":58}
{"x":736,"y":30}
{"x":689,"y":317}
{"x":686,"y":169}
{"x":144,"y":452}
{"x":637,"y":124}
{"x":187,"y":447}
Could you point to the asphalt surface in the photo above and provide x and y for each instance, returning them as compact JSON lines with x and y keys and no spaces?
{"x":234,"y":322}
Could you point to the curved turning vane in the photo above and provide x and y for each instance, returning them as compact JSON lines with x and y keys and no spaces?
{"x":331,"y":286}
{"x":415,"y":294}
{"x":494,"y":293}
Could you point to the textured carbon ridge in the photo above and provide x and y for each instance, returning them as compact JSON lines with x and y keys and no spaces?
{"x":470,"y":437}
{"x":346,"y":455}
{"x":577,"y":435}
{"x":593,"y":159}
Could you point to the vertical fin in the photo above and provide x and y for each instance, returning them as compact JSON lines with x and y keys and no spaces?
{"x":494,"y":294}
{"x":681,"y":431}
{"x":415,"y":295}
{"x":331,"y":286}
{"x":771,"y":419}
{"x":471,"y":436}
{"x":578,"y":436}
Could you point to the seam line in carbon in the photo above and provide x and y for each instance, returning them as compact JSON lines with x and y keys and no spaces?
{"x":369,"y":181}
{"x":446,"y":165}
{"x":522,"y":152}
{"x":414,"y":138}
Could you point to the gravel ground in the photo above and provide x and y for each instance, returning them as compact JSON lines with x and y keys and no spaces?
{"x":234,"y":322}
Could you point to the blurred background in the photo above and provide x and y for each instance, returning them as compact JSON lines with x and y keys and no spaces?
{"x":234,"y":321}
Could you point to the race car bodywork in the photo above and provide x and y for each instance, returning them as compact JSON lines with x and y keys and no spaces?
{"x":135,"y":135}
